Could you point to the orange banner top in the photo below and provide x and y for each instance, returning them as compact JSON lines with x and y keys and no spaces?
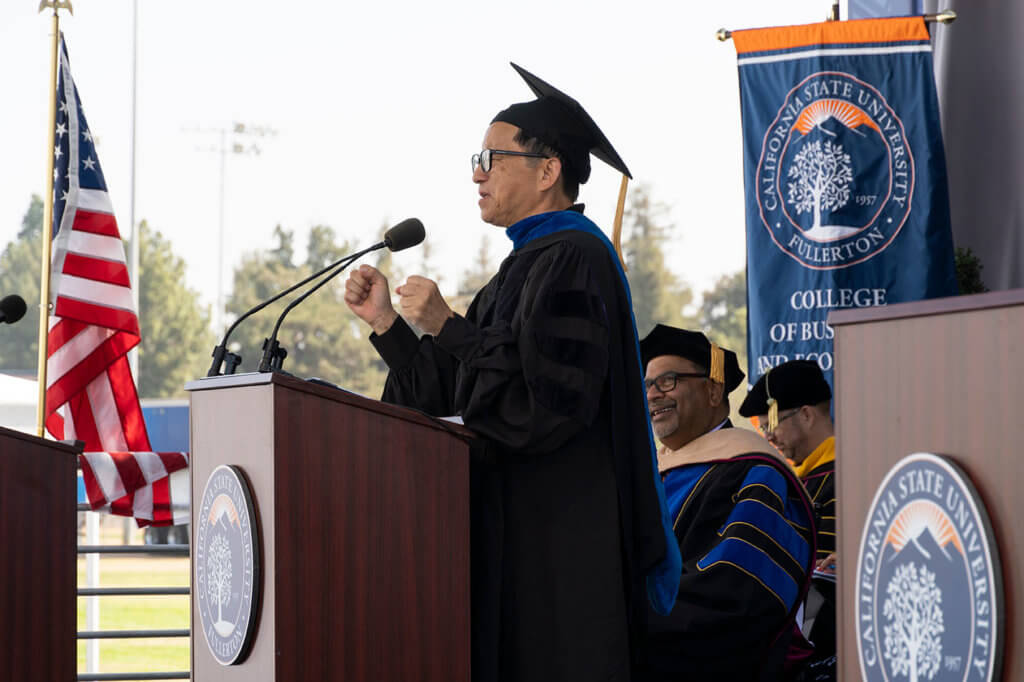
{"x":899,"y":29}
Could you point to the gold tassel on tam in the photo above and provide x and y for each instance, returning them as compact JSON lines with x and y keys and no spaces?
{"x":773,"y":405}
{"x":717,"y":372}
{"x":773,"y":415}
{"x":617,"y":223}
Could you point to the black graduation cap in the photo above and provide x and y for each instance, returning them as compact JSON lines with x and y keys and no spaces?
{"x":722,"y":364}
{"x":560,"y":122}
{"x":792,"y":384}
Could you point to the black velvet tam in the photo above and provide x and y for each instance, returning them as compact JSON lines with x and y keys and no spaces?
{"x":793,"y":384}
{"x":561,"y":123}
{"x":694,"y":346}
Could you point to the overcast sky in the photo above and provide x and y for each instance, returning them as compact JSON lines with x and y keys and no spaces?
{"x":377,"y":108}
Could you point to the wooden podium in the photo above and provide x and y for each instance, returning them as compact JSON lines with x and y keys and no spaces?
{"x":37,"y":572}
{"x":944,"y":376}
{"x":363,"y":517}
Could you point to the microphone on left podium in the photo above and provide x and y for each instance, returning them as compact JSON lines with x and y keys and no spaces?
{"x":12,"y":308}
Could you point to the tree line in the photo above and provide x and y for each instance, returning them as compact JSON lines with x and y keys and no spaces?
{"x":322,"y":338}
{"x":174,"y":326}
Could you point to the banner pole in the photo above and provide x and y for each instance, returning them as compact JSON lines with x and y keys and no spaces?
{"x":947,"y":16}
{"x":47,"y":226}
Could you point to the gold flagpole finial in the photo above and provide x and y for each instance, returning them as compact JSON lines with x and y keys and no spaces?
{"x":56,"y":5}
{"x":723,"y":34}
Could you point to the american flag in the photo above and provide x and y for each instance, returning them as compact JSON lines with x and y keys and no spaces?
{"x":90,"y":392}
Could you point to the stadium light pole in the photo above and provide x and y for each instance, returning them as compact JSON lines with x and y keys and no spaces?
{"x":237,"y":140}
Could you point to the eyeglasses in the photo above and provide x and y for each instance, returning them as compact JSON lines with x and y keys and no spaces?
{"x":483,"y":159}
{"x":667,"y":381}
{"x":763,"y":426}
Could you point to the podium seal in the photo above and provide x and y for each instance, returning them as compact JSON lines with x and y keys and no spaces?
{"x":929,"y":594}
{"x":227,"y":565}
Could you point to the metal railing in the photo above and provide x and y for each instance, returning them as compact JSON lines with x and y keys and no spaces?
{"x":149,"y":550}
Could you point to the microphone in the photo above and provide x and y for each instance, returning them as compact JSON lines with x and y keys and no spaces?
{"x":12,"y":308}
{"x":405,"y":234}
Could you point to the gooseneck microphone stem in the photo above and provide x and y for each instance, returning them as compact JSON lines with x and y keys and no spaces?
{"x":407,"y":233}
{"x":220,"y":353}
{"x":273,"y":353}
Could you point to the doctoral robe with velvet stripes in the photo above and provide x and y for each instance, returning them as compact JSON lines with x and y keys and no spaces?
{"x":565,"y":518}
{"x":746,"y":538}
{"x":820,"y":483}
{"x":821,"y":486}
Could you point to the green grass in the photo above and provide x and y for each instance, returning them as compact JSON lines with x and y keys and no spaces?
{"x":139,"y":613}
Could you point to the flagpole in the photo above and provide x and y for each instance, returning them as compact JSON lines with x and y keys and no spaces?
{"x":133,"y":229}
{"x":47,"y":227}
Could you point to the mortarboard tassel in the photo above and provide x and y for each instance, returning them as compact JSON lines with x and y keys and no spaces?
{"x":617,"y":223}
{"x":773,"y":405}
{"x":717,"y":372}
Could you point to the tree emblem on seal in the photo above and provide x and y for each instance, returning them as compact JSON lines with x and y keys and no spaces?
{"x":822,"y":175}
{"x":913,"y":608}
{"x":218,"y":566}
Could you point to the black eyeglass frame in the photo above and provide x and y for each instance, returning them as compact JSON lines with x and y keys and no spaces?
{"x":763,"y":426}
{"x":661,"y":381}
{"x":484,"y":160}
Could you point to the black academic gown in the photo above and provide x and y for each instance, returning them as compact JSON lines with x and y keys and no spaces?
{"x":821,"y":486}
{"x":821,"y":604}
{"x":565,"y":517}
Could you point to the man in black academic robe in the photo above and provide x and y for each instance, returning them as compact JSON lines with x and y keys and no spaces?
{"x":801,"y":428}
{"x":569,"y":530}
{"x":742,"y":521}
{"x":803,"y":432}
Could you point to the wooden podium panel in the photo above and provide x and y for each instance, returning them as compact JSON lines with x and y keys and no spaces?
{"x":38,"y":494}
{"x":364,"y":521}
{"x":944,"y":376}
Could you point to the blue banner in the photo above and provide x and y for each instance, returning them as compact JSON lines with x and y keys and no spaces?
{"x":846,"y":198}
